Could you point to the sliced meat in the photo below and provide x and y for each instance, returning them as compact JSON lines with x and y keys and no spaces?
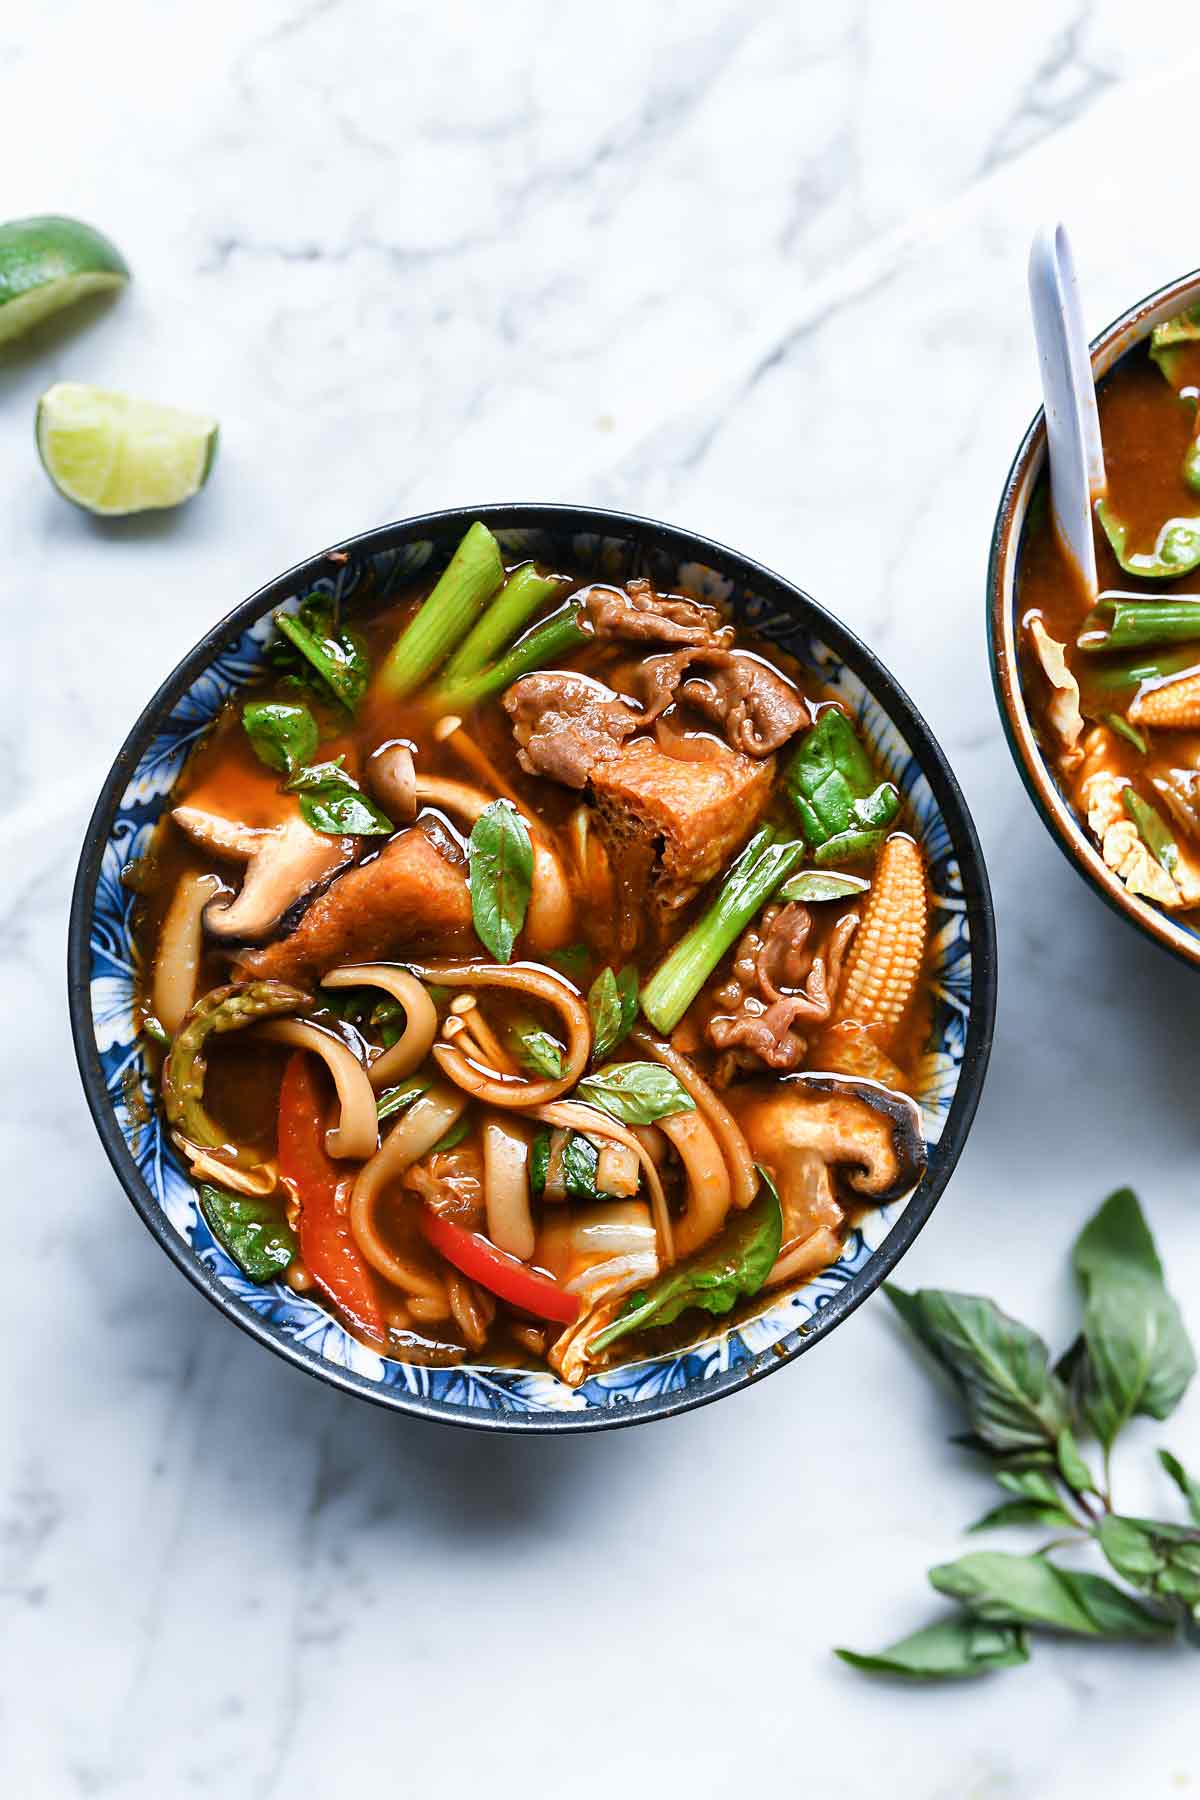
{"x":566,"y":724}
{"x":636,"y":613}
{"x":779,"y":981}
{"x":412,"y":892}
{"x":670,"y":826}
{"x":757,"y":707}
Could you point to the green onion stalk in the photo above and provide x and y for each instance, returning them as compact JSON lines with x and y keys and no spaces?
{"x":1131,"y":672}
{"x":1129,"y":622}
{"x":763,"y":866}
{"x":463,"y":589}
{"x":549,"y":641}
{"x":523,"y":595}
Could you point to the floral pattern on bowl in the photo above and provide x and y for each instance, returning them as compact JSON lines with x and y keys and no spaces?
{"x":114,"y":1067}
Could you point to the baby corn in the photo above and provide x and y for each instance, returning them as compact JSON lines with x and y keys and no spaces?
{"x":1172,"y":706}
{"x":886,"y":952}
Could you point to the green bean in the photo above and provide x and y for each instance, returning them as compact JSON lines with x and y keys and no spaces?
{"x":1127,"y":676}
{"x":1131,"y":622}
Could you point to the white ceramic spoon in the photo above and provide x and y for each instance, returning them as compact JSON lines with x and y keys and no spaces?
{"x":1077,"y":478}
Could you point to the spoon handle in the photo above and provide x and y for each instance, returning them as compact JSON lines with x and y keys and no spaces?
{"x":1077,"y":477}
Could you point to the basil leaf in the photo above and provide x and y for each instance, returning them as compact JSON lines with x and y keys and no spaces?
{"x":253,"y":1231}
{"x":1031,"y":1590}
{"x":344,"y":812}
{"x":1139,"y":1356}
{"x":849,"y":846}
{"x":332,"y":801}
{"x":813,"y":885}
{"x":714,"y":1279}
{"x":539,"y":1162}
{"x":636,"y":1093}
{"x":577,"y":1166}
{"x":1030,"y":1484}
{"x":458,"y":1131}
{"x":999,"y":1366}
{"x":1187,"y":1484}
{"x":1039,"y":1458}
{"x":613,"y":1004}
{"x":1075,"y":1471}
{"x":394,"y":1099}
{"x":501,"y":876}
{"x":572,"y":961}
{"x":363,"y":1008}
{"x":535,"y":1048}
{"x":1023,"y":1512}
{"x":283,"y":736}
{"x":313,"y":778}
{"x":832,"y":785}
{"x":316,"y":644}
{"x":579,"y":1159}
{"x":1160,"y":1558}
{"x":389,"y":1019}
{"x":947,"y":1651}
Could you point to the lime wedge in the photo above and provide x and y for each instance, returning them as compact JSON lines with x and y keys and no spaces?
{"x":113,"y":454}
{"x":46,"y":264}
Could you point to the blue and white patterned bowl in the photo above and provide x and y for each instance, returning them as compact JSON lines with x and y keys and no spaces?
{"x":102,"y":972}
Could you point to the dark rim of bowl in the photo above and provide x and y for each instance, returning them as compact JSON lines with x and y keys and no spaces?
{"x":1051,"y":806}
{"x":689,"y":546}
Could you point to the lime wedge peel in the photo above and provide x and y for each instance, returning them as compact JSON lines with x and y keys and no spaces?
{"x":112,"y":454}
{"x":49,"y":263}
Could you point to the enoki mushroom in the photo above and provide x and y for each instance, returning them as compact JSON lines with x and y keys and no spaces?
{"x":489,"y":1085}
{"x":728,"y":1133}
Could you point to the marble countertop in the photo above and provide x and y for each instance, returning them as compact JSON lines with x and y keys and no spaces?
{"x":759,"y":272}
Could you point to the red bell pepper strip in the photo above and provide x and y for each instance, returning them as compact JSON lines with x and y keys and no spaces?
{"x":327,"y":1247}
{"x":479,"y":1259}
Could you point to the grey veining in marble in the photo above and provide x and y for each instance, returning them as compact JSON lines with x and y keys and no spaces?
{"x":758,"y":268}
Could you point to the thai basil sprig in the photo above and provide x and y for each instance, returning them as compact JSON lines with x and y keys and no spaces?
{"x":1026,"y":1417}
